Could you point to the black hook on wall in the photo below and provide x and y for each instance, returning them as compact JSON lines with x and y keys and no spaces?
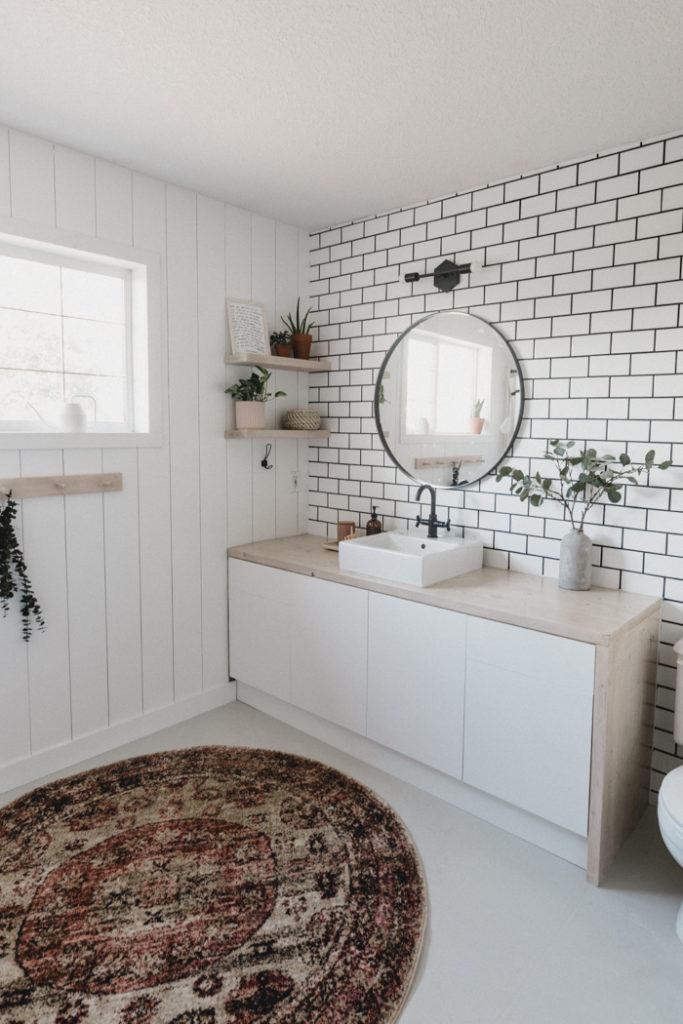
{"x":264,"y":460}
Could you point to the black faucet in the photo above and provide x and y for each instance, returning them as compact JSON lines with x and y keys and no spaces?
{"x":431,"y":522}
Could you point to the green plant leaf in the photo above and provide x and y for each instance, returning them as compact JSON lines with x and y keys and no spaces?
{"x":614,"y":494}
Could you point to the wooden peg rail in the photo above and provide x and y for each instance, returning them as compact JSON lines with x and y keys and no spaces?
{"x":46,"y":486}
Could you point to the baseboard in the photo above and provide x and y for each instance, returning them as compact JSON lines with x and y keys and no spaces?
{"x":55,"y":759}
{"x":550,"y":837}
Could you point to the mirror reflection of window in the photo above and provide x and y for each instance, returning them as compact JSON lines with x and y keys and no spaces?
{"x":443,"y":378}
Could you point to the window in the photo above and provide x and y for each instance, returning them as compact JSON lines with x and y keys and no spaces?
{"x":74,"y":328}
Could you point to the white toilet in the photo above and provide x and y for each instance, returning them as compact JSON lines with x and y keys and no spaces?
{"x":670,"y":817}
{"x":670,"y":801}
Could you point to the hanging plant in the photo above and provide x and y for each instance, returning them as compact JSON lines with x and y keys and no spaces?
{"x":13,"y":573}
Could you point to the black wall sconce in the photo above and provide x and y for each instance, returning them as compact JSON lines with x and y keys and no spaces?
{"x":446,"y":276}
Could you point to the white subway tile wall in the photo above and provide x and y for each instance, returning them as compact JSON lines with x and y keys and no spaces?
{"x":582,"y":274}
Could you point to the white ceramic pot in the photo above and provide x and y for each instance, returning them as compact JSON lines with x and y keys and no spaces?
{"x":576,"y":561}
{"x":72,"y":419}
{"x":250,"y":415}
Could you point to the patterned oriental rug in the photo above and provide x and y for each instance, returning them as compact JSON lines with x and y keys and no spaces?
{"x":214,"y":885}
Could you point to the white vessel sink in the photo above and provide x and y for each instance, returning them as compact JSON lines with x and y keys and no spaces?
{"x":418,"y":561}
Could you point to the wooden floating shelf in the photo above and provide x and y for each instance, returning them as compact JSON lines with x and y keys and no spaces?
{"x":279,"y":363}
{"x":251,"y":432}
{"x":49,"y":486}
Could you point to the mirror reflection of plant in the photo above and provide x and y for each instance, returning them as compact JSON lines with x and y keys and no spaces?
{"x":14,"y":575}
{"x":253,"y":388}
{"x":582,"y":479}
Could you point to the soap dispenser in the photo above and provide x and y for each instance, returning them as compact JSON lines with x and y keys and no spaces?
{"x":373,"y":524}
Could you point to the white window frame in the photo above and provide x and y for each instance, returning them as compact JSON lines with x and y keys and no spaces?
{"x":417,"y":438}
{"x":144,"y":345}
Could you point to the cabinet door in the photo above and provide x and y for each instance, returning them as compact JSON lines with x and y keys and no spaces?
{"x":329,"y":626}
{"x":528,"y":720}
{"x":416,"y":676}
{"x":260,"y":627}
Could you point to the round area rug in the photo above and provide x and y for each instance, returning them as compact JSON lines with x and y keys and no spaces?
{"x":214,"y":885}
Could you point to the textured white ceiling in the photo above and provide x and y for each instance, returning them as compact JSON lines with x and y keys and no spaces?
{"x":321,"y":111}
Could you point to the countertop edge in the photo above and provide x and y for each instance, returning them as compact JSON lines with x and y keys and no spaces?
{"x":450,"y":601}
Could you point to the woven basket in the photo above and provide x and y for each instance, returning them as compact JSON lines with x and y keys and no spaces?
{"x":302,"y":419}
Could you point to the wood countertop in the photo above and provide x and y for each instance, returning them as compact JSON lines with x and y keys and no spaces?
{"x":596,"y":616}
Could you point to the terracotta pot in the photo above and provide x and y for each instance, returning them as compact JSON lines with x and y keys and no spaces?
{"x":476,"y":425}
{"x":286,"y":350}
{"x":302,"y":345}
{"x":250,"y":415}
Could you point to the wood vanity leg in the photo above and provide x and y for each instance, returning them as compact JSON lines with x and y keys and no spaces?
{"x":623,"y":714}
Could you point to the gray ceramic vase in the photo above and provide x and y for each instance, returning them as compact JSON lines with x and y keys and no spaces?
{"x":576,"y":559}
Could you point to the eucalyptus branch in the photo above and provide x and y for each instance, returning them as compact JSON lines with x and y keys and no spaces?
{"x":583,"y":479}
{"x":14,"y":574}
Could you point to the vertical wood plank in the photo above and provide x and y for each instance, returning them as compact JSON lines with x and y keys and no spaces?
{"x":181,"y":210}
{"x":287,"y":452}
{"x":212,"y":466}
{"x":114,"y":212}
{"x":32,"y":179}
{"x":304,"y":271}
{"x":122,"y":575}
{"x":238,"y":453}
{"x":75,"y":191}
{"x":5,"y":204}
{"x":84,"y":531}
{"x":48,"y":652}
{"x":15,"y":729}
{"x":113,"y":188}
{"x":263,"y":290}
{"x":154,"y":483}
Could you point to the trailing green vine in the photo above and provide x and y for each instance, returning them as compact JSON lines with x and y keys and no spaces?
{"x":14,"y":575}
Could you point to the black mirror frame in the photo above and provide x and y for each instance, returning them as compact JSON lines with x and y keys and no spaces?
{"x":377,"y":403}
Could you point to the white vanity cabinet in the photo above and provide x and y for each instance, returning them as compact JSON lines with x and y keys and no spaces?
{"x":260,"y":629}
{"x":416,"y":681}
{"x":329,"y":634}
{"x":522,"y":703}
{"x":528,"y":720}
{"x":301,"y":640}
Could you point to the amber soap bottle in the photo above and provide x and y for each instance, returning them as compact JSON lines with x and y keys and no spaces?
{"x":373,"y":524}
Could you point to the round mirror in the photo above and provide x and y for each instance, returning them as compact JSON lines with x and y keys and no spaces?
{"x":448,"y":400}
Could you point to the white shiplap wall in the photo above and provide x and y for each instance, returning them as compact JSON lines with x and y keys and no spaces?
{"x":133,"y":585}
{"x":583,"y":276}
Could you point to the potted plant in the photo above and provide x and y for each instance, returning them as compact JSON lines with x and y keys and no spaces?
{"x":583,"y":478}
{"x":281,"y":344}
{"x":476,"y":421}
{"x":250,"y":397}
{"x":299,"y":328}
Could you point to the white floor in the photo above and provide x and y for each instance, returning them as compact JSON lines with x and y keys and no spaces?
{"x":516,"y":935}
